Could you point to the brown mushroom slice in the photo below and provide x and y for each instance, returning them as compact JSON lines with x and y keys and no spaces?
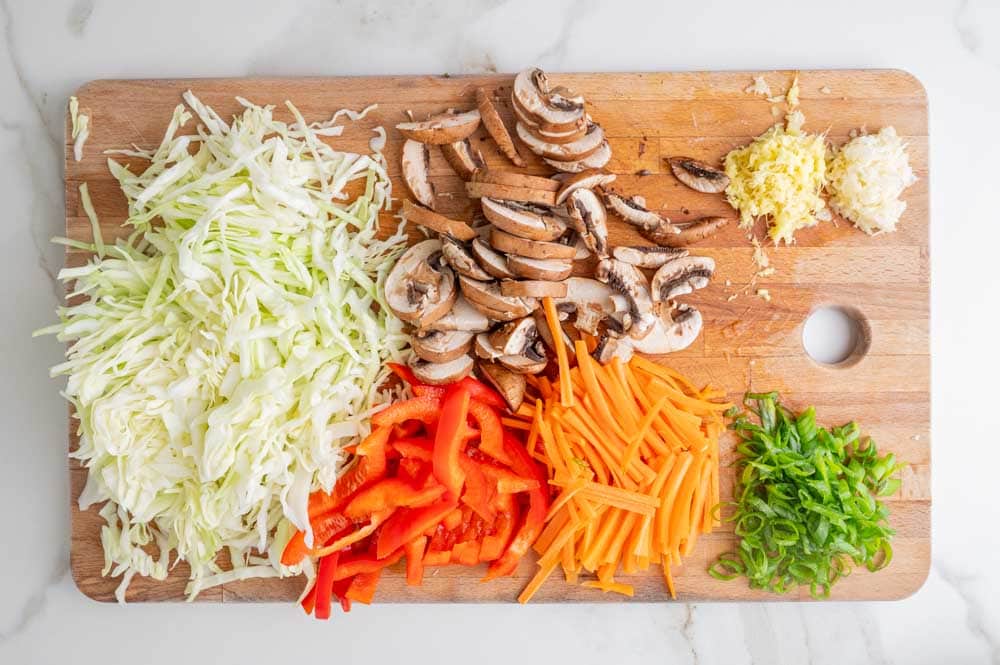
{"x":414,"y":212}
{"x":510,"y":385}
{"x":555,"y":138}
{"x":589,"y":220}
{"x":533,"y":121}
{"x":590,"y":300}
{"x":699,"y":176}
{"x":558,"y":108}
{"x":416,"y":171}
{"x":533,"y":249}
{"x":490,"y":260}
{"x":494,"y":177}
{"x":533,"y":288}
{"x":627,"y":280}
{"x":463,"y":157}
{"x":461,"y":261}
{"x":442,"y":347}
{"x":596,"y":160}
{"x":462,"y":316}
{"x":442,"y":128}
{"x":477,"y":190}
{"x":699,"y":229}
{"x":442,"y":373}
{"x":498,"y":314}
{"x":610,"y":347}
{"x":483,"y":347}
{"x":525,"y":221}
{"x":681,"y":276}
{"x":589,"y":179}
{"x":514,"y":337}
{"x":575,"y":151}
{"x":652,"y":226}
{"x":495,"y":127}
{"x":488,"y":295}
{"x":676,"y":330}
{"x":528,"y":363}
{"x":546,"y":335}
{"x":553,"y":270}
{"x":420,"y":288}
{"x":647,"y":256}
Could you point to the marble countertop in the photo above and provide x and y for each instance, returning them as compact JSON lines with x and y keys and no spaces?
{"x":47,"y":49}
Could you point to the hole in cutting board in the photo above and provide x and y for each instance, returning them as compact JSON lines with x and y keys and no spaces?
{"x":834,"y":335}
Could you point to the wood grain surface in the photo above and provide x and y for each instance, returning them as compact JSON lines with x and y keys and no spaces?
{"x":746,"y":343}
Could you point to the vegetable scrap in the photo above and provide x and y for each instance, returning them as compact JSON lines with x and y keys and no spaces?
{"x":79,"y":127}
{"x":633,"y":450}
{"x":439,"y":481}
{"x":807,"y":501}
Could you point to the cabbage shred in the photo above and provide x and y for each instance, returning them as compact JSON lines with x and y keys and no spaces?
{"x":225,"y":353}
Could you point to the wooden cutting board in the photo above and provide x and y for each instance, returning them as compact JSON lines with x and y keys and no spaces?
{"x":746,"y":342}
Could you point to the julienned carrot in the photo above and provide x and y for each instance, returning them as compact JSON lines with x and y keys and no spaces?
{"x":633,"y":451}
{"x":555,"y":329}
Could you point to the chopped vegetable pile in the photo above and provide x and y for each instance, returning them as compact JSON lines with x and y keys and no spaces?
{"x":224,"y":353}
{"x":439,"y":481}
{"x":633,"y":449}
{"x":807,"y":502}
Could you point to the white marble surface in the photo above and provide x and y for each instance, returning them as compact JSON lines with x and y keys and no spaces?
{"x":49,"y":48}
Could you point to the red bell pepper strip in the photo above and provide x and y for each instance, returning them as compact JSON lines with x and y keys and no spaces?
{"x":363,"y":586}
{"x":508,"y":482}
{"x":538,"y":506}
{"x":324,"y":584}
{"x":404,"y":373}
{"x":325,"y":528}
{"x":413,"y":470}
{"x":481,"y":392}
{"x":417,"y":447}
{"x":364,"y":563}
{"x":429,"y":391}
{"x":390,"y":493}
{"x":453,"y":520}
{"x":477,"y":493}
{"x":370,"y":467}
{"x":437,"y":558}
{"x":406,"y":429}
{"x":496,"y":543}
{"x":448,"y":441}
{"x":491,"y":431}
{"x":409,"y":523}
{"x":467,"y":553}
{"x":415,"y":560}
{"x":340,"y":588}
{"x":309,"y":600}
{"x":424,"y":409}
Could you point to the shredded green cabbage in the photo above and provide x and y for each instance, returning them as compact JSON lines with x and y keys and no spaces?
{"x":223,"y":355}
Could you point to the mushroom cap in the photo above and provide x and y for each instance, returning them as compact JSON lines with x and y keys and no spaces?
{"x":587,"y":179}
{"x":463,"y":157}
{"x":413,"y":212}
{"x":416,"y":171}
{"x":553,"y":270}
{"x":680,"y":276}
{"x":442,"y":347}
{"x":441,"y":128}
{"x":532,"y":93}
{"x":490,"y":260}
{"x":589,"y":219}
{"x":461,"y":261}
{"x":629,"y":281}
{"x":416,"y":289}
{"x":495,"y":127}
{"x":574,"y":151}
{"x":648,"y":256}
{"x":510,"y":385}
{"x":699,"y":176}
{"x":461,"y":316}
{"x":442,"y":373}
{"x":674,"y":331}
{"x":596,"y":160}
{"x":590,"y":299}
{"x":524,"y":221}
{"x":533,"y":249}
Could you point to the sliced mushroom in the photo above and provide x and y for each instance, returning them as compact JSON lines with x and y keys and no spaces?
{"x":488,"y":295}
{"x":590,"y":220}
{"x":533,"y":288}
{"x":590,"y":300}
{"x":495,"y":127}
{"x":575,"y":151}
{"x":596,"y":160}
{"x":442,"y":128}
{"x":442,"y":347}
{"x":653,"y":227}
{"x":610,"y":347}
{"x":462,"y":316}
{"x":681,"y":276}
{"x":463,"y":157}
{"x":627,"y":280}
{"x":699,"y":176}
{"x":533,"y":249}
{"x":494,"y":177}
{"x":527,"y":363}
{"x":514,"y":337}
{"x":499,"y":314}
{"x":676,"y":330}
{"x":493,"y":262}
{"x":420,"y":288}
{"x":510,"y":385}
{"x":546,"y":335}
{"x":483,"y":347}
{"x":582,"y":251}
{"x":413,"y":212}
{"x":699,"y":229}
{"x":523,"y":220}
{"x":645,"y":256}
{"x":553,"y":270}
{"x":441,"y":373}
{"x":461,"y":261}
{"x":589,"y":179}
{"x":559,"y":109}
{"x":555,"y":138}
{"x":478,"y":190}
{"x":416,"y":171}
